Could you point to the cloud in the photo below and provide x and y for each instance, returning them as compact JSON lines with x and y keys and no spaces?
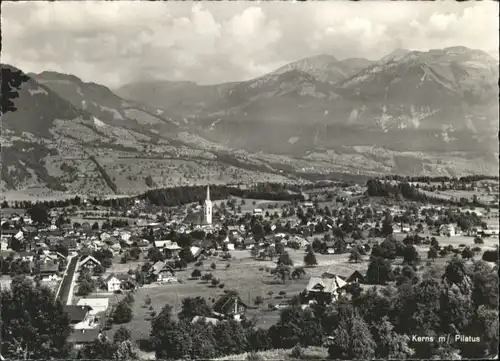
{"x":120,"y":41}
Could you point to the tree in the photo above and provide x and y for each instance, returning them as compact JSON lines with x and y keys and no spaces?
{"x":12,"y":79}
{"x":310,"y":259}
{"x":34,"y":325}
{"x":387,"y":226}
{"x":122,"y":313}
{"x":390,"y":345}
{"x":86,"y":287}
{"x":410,"y":255}
{"x":101,"y":348}
{"x":467,"y":253}
{"x":254,"y":251}
{"x":121,"y":334}
{"x":39,"y":214}
{"x":432,"y":253}
{"x":285,"y":259}
{"x":230,"y":338}
{"x":355,"y":256}
{"x":258,"y":300}
{"x":282,"y":272}
{"x":213,"y":266}
{"x":194,"y":306}
{"x":379,"y":271}
{"x":196,"y":273}
{"x":298,"y":272}
{"x":478,"y":240}
{"x":352,"y":339}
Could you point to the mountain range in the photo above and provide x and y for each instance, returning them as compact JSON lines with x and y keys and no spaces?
{"x":411,"y":112}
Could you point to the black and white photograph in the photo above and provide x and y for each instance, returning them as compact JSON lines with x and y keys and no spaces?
{"x":249,"y":180}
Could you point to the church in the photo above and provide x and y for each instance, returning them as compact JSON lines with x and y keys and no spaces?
{"x":203,"y":217}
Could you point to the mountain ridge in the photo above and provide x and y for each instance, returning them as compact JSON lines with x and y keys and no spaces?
{"x":430,"y":118}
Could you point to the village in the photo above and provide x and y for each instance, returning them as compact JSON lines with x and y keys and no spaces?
{"x":249,"y":258}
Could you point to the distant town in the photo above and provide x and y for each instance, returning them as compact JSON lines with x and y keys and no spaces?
{"x":207,"y":272}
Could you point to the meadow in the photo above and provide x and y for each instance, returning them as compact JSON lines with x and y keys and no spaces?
{"x":251,"y":278}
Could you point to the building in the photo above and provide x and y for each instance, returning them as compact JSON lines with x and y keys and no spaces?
{"x":89,"y":262}
{"x":162,"y":271}
{"x":113,"y":283}
{"x":325,"y":289}
{"x":76,"y":314}
{"x":83,"y":337}
{"x":208,"y":208}
{"x":229,"y":305}
{"x":97,"y":305}
{"x":49,"y":271}
{"x":448,"y":230}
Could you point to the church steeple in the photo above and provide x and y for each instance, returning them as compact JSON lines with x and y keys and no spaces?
{"x":208,"y":208}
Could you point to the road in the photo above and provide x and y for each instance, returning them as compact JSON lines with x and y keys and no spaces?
{"x":64,"y":292}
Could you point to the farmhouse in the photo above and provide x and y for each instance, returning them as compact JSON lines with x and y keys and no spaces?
{"x":162,"y":271}
{"x":48,"y":271}
{"x":448,"y":230}
{"x":325,"y":289}
{"x":229,"y":306}
{"x":118,"y":282}
{"x":89,"y":262}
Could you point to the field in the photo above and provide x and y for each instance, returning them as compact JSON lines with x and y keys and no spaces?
{"x":245,"y":275}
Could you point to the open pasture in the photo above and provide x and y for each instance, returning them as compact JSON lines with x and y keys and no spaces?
{"x":247,"y":276}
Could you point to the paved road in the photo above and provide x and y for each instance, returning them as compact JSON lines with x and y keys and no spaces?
{"x":65,"y":288}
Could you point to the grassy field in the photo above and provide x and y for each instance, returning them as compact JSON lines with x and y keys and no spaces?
{"x":245,"y":275}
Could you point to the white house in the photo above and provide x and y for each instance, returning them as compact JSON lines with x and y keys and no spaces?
{"x":448,"y":230}
{"x":114,"y":284}
{"x":257,"y":211}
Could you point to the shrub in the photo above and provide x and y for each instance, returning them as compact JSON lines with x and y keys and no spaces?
{"x":297,"y":352}
{"x":196,"y":273}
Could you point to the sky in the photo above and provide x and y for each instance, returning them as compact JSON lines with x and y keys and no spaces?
{"x":117,"y":42}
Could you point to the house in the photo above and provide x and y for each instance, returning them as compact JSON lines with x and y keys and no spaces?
{"x":49,"y":271}
{"x":257,"y":211}
{"x":26,"y":256}
{"x":89,"y":262}
{"x":325,"y":289}
{"x":195,"y":251}
{"x":76,"y":314}
{"x":113,"y":283}
{"x":229,"y":305}
{"x":353,"y":277}
{"x":248,"y":243}
{"x":172,"y":249}
{"x":447,"y":230}
{"x":162,"y":271}
{"x":97,"y":305}
{"x":83,"y":337}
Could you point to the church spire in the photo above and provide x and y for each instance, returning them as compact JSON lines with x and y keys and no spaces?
{"x":208,"y":193}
